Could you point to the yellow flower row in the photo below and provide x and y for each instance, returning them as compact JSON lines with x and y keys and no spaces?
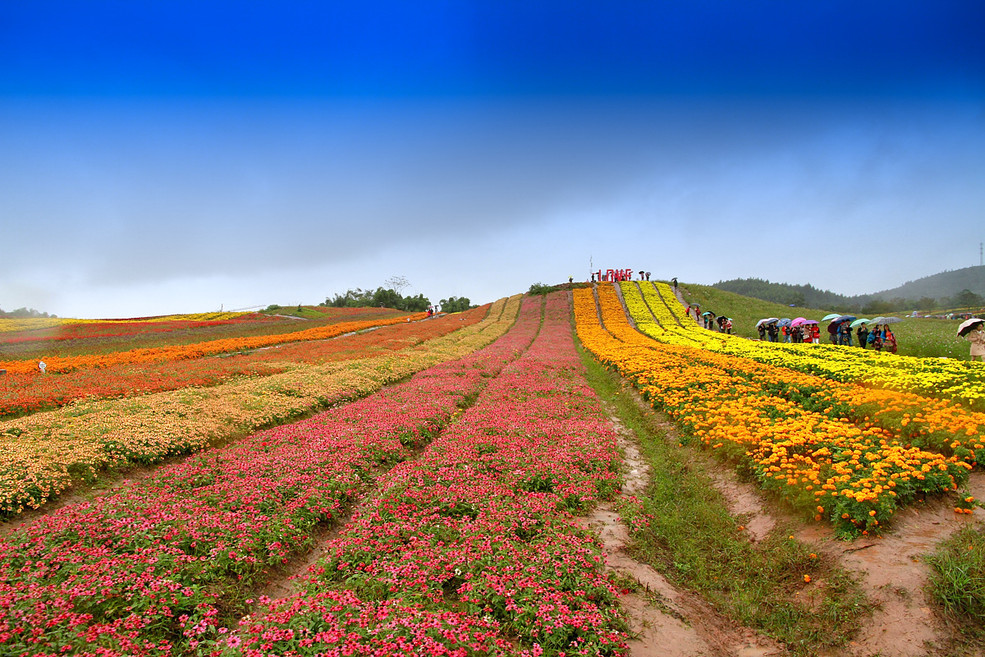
{"x":925,"y":421}
{"x":961,"y":381}
{"x":42,"y":453}
{"x":853,"y":473}
{"x":30,"y":323}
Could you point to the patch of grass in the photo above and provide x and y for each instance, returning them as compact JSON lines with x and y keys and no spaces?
{"x":744,"y":311}
{"x":682,"y":527}
{"x":957,"y":582}
{"x":541,"y":288}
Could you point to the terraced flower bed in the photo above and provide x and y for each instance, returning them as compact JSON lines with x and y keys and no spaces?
{"x":45,"y":452}
{"x":158,"y":565}
{"x":830,"y":460}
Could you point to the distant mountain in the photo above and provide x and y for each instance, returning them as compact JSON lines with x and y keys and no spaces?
{"x":944,"y":285}
{"x":961,"y":288}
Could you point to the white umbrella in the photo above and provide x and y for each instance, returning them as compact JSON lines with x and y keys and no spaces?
{"x":969,"y":325}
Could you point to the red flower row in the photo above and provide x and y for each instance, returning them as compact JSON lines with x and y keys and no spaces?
{"x":480,"y":526}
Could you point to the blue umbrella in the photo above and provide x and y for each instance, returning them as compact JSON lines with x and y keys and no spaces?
{"x":784,"y":322}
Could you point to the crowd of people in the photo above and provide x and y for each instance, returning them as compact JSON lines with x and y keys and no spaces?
{"x":802,"y":333}
{"x":880,"y":337}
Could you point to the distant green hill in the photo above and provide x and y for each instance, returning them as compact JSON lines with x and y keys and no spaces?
{"x":961,"y":288}
{"x":939,"y":286}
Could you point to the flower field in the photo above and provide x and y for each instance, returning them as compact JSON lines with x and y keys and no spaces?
{"x":473,"y":542}
{"x":25,"y":393}
{"x":45,"y":452}
{"x":836,"y":450}
{"x":945,"y":378}
{"x":197,"y":349}
{"x":467,"y":547}
{"x":438,"y":470}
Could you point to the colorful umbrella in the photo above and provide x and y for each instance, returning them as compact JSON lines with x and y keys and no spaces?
{"x":830,"y":317}
{"x":859,"y":322}
{"x":797,"y":321}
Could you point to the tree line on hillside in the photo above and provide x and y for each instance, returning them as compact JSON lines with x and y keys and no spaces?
{"x":24,"y":313}
{"x":808,"y":296}
{"x":390,"y":298}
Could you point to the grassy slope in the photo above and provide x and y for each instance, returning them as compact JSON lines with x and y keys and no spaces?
{"x":917,"y":336}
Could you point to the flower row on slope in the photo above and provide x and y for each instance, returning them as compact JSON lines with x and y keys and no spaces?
{"x":89,"y":329}
{"x":199,"y":349}
{"x":44,"y":452}
{"x":926,"y":422}
{"x":153,"y":566}
{"x":474,"y":542}
{"x":943,"y":378}
{"x":855,"y":474}
{"x":21,"y":394}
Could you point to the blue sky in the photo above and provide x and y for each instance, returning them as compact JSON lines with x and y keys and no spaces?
{"x":175,"y":156}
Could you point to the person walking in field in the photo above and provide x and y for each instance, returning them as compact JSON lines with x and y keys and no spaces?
{"x":42,"y":366}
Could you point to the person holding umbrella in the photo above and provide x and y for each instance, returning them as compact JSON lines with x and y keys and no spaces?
{"x":973,"y":330}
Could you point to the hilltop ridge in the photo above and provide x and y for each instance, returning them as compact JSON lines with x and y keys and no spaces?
{"x":960,"y":288}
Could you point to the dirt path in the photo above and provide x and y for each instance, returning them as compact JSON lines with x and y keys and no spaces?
{"x":666,"y":621}
{"x":895,"y":577}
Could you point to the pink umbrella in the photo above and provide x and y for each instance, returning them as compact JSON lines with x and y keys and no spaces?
{"x":798,"y":321}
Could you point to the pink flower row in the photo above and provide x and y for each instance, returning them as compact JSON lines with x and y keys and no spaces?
{"x":474,"y":543}
{"x":151,"y":567}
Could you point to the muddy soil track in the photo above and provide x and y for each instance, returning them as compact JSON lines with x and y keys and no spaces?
{"x":666,"y":621}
